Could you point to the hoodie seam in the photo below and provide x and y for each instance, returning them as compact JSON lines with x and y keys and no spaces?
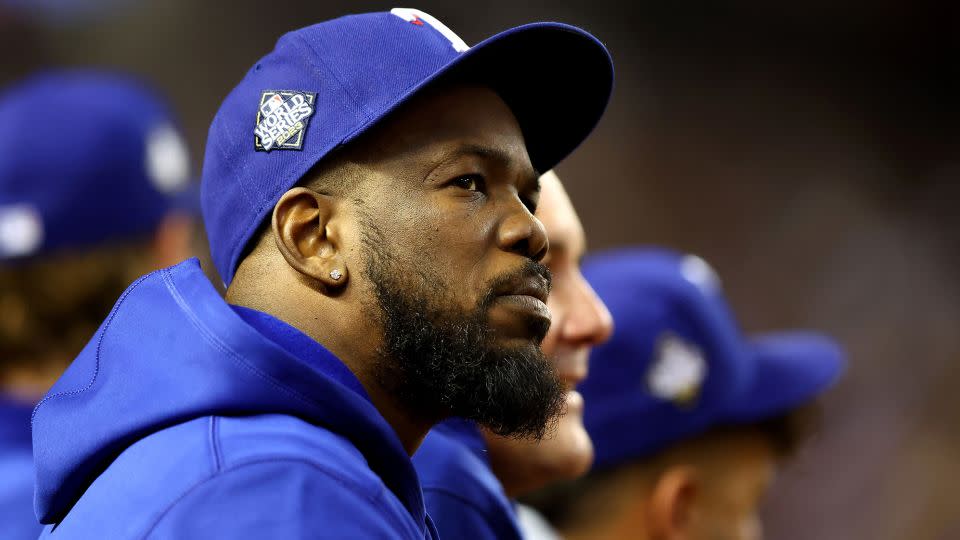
{"x":103,"y":333}
{"x":212,"y":339}
{"x":215,"y":443}
{"x":343,"y":481}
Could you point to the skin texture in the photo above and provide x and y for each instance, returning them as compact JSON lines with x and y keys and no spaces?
{"x":580,"y":321}
{"x":707,"y":489}
{"x":450,"y":186}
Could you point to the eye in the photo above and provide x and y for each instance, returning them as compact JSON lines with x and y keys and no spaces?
{"x":469,"y":182}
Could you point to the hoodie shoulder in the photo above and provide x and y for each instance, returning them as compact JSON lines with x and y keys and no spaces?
{"x":279,"y":498}
{"x":266,"y":476}
{"x":280,"y":477}
{"x":174,"y":390}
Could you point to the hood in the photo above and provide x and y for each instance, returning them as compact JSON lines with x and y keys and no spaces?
{"x":173,"y":350}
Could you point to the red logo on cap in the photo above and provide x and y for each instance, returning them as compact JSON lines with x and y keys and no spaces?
{"x":416,"y":20}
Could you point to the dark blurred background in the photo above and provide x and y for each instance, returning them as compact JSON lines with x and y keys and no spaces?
{"x":809,"y":150}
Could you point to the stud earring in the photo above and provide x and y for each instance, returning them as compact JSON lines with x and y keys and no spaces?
{"x":335,"y":274}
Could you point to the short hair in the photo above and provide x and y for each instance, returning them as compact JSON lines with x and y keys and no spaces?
{"x":51,"y":305}
{"x":568,"y":504}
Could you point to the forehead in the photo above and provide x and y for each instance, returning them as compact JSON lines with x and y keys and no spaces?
{"x":559,"y":218}
{"x":445,"y":119}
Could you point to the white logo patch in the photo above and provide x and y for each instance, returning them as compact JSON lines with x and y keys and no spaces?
{"x":21,"y":230}
{"x":417,"y":17}
{"x":678,"y":370}
{"x":282,"y":119}
{"x":168,"y":164}
{"x":700,"y":273}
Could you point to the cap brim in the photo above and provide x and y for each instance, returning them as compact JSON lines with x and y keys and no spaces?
{"x":792,"y":369}
{"x":556,"y":78}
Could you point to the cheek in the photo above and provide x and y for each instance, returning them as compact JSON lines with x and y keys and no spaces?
{"x":741,"y":523}
{"x":751,"y":528}
{"x":457,"y":245}
{"x":566,"y":454}
{"x":558,"y":304}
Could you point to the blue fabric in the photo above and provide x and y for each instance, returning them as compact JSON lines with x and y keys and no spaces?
{"x":180,"y":420}
{"x":362,"y":67}
{"x":462,"y":495}
{"x":653,"y":294}
{"x":301,"y":346}
{"x":17,"y":520}
{"x":81,"y":173}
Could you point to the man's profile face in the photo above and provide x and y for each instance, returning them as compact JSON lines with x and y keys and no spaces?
{"x":580,"y":321}
{"x":452,"y":262}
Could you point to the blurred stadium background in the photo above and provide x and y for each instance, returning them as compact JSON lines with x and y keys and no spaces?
{"x":809,"y":150}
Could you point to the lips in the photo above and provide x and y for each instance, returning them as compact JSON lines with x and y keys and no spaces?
{"x":535,"y":286}
{"x":519,"y":306}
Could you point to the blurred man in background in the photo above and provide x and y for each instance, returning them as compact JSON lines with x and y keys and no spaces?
{"x":689,"y":419}
{"x":94,"y":191}
{"x":369,"y":190}
{"x":470,"y":474}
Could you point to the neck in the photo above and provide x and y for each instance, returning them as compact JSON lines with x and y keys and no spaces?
{"x":331,"y":326}
{"x":409,"y":429}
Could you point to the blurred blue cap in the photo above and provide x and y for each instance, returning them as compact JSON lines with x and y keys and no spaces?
{"x":90,"y":158}
{"x":324,"y":85}
{"x":677,"y":365}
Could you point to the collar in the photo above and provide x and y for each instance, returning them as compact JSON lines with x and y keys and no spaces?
{"x":301,"y":346}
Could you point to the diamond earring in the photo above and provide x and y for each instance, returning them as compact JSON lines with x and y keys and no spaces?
{"x":335,"y":274}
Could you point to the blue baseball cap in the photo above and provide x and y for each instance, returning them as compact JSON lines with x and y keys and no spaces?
{"x":91,"y":157}
{"x":677,"y":365}
{"x":324,"y":85}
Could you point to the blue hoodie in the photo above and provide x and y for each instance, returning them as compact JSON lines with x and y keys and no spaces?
{"x":16,"y":473}
{"x":463,"y":496}
{"x":184,"y":418}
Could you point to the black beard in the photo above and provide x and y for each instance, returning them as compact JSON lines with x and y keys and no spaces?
{"x":439,"y":361}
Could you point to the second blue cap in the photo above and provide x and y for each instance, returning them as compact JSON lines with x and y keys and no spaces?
{"x":90,"y":157}
{"x":677,"y":364}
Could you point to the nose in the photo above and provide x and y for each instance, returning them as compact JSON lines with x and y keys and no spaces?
{"x":590,"y":323}
{"x":522,"y":233}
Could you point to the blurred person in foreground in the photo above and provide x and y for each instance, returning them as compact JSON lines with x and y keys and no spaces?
{"x":369,"y":190}
{"x":690,"y":420}
{"x":470,"y":474}
{"x":94,"y":191}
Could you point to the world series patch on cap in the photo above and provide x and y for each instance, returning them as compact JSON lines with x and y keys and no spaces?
{"x":677,"y":364}
{"x":324,"y":85}
{"x":282,"y":119}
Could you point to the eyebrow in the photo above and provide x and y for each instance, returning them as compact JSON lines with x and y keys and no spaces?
{"x":489,"y":153}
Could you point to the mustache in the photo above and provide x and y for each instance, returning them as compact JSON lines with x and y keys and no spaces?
{"x":529,"y":270}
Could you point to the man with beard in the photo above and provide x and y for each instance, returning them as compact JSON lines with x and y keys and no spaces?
{"x":470,"y":474}
{"x":368,"y":192}
{"x":689,"y":418}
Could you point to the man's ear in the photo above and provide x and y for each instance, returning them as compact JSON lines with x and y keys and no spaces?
{"x":673,"y":502}
{"x":305,"y":226}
